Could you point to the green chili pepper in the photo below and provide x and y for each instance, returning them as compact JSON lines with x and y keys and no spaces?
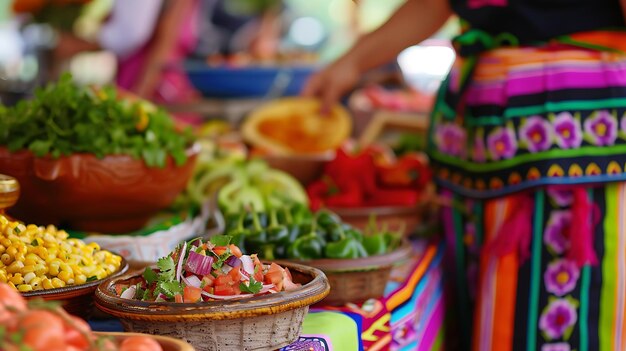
{"x":334,"y":232}
{"x":326,"y":219}
{"x":277,"y":233}
{"x":257,"y":236}
{"x":355,"y":234}
{"x":268,"y":252}
{"x":232,"y":220}
{"x":345,"y":248}
{"x":300,"y":214}
{"x":307,"y":246}
{"x":375,"y":244}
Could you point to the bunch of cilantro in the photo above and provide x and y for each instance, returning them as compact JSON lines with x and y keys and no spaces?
{"x":65,"y":118}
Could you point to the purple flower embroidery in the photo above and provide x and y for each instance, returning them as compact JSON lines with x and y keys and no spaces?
{"x":501,"y":143}
{"x":622,"y":124}
{"x":560,"y":346}
{"x":567,"y":131}
{"x":479,"y":153}
{"x":561,"y":277}
{"x":553,"y":236}
{"x":451,"y":139}
{"x":536,"y":132}
{"x":557,"y":318}
{"x":601,"y":128}
{"x":561,"y":197}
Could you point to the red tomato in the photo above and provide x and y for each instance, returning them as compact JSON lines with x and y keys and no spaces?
{"x":140,"y":343}
{"x":258,"y":269}
{"x":223,"y":280}
{"x":220,"y":250}
{"x":208,"y":280}
{"x":275,"y":278}
{"x":119,"y":288}
{"x":235,"y":250}
{"x":192,"y":294}
{"x":235,"y":275}
{"x":178,"y":298}
{"x":10,"y":302}
{"x":224,"y":290}
{"x":43,"y":330}
{"x":75,"y":333}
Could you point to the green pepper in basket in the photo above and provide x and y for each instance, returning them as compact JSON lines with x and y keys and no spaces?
{"x":307,"y":247}
{"x":345,"y":248}
{"x":257,"y":236}
{"x":375,"y":244}
{"x":276,"y":232}
{"x":327,"y":219}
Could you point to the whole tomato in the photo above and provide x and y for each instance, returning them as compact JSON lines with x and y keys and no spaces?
{"x":10,"y":302}
{"x":43,"y":330}
{"x":140,"y":343}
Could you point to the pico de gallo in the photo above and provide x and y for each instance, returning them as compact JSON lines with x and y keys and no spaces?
{"x":200,"y":270}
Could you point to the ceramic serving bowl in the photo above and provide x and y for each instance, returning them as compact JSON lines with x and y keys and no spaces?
{"x":167,"y":344}
{"x":115,"y":194}
{"x":76,"y":299}
{"x":360,"y":279}
{"x":260,"y":323}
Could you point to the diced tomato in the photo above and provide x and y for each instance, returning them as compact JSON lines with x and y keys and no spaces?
{"x":222,"y":280}
{"x":208,"y":280}
{"x":224,"y":290}
{"x":178,"y":298}
{"x":258,"y":268}
{"x":288,"y":273}
{"x":234,"y":274}
{"x":208,"y":289}
{"x":192,"y":294}
{"x":276,"y":278}
{"x":288,"y":281}
{"x":220,"y":250}
{"x":235,"y":250}
{"x":119,"y":288}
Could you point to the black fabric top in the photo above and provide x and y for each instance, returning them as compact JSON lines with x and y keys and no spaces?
{"x":539,"y":20}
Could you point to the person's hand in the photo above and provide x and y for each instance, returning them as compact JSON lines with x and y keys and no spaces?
{"x":333,"y":82}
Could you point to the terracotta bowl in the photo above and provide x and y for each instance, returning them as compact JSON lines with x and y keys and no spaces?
{"x":262,"y":323}
{"x":76,"y":299}
{"x":357,"y":280}
{"x":168,"y":344}
{"x":115,"y":194}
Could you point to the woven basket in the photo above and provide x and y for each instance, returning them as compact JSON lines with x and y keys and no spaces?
{"x":262,"y":323}
{"x":357,"y":280}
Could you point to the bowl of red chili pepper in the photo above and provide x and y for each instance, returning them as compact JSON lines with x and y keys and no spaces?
{"x":360,"y":185}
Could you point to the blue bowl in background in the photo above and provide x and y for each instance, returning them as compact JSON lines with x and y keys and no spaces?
{"x":247,"y":82}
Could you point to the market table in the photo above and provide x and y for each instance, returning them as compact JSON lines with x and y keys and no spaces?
{"x":408,"y":317}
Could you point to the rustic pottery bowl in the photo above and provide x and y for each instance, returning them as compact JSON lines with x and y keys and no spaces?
{"x":76,"y":299}
{"x":115,"y":194}
{"x":262,"y":323}
{"x":360,"y":279}
{"x":167,"y":344}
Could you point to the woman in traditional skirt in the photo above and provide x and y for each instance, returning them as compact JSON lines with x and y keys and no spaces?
{"x":528,"y":143}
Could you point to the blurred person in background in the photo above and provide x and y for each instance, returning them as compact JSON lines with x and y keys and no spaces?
{"x":528,"y":145}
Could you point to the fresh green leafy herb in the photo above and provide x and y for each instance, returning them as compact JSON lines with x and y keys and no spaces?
{"x":170,"y":289}
{"x":92,"y":278}
{"x":150,"y":275}
{"x":221,"y":259}
{"x":34,"y":242}
{"x":17,"y":230}
{"x":65,"y":118}
{"x":252,"y":287}
{"x":221,"y":240}
{"x":167,"y":269}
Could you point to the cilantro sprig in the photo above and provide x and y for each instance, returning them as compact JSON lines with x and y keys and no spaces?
{"x":252,"y":287}
{"x":65,"y":118}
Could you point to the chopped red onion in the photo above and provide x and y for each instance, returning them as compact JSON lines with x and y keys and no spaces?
{"x":129,"y":293}
{"x":247,"y":264}
{"x":192,"y":280}
{"x":233,"y":261}
{"x":266,"y":288}
{"x":220,"y":297}
{"x":181,"y":258}
{"x":198,"y":264}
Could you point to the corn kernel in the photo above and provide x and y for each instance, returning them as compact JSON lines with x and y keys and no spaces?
{"x":15,"y":267}
{"x":24,"y":288}
{"x":47,"y":283}
{"x":36,"y":283}
{"x":57,"y":283}
{"x":17,"y":279}
{"x":80,"y":279}
{"x":66,"y":276}
{"x":28,"y":277}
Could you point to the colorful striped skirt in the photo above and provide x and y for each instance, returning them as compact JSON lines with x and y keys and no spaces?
{"x":531,"y":155}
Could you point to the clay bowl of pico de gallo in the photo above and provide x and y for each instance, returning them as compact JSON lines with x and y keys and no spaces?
{"x":215,"y":298}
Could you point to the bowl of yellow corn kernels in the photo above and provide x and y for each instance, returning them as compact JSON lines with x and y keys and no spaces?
{"x":44,"y":262}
